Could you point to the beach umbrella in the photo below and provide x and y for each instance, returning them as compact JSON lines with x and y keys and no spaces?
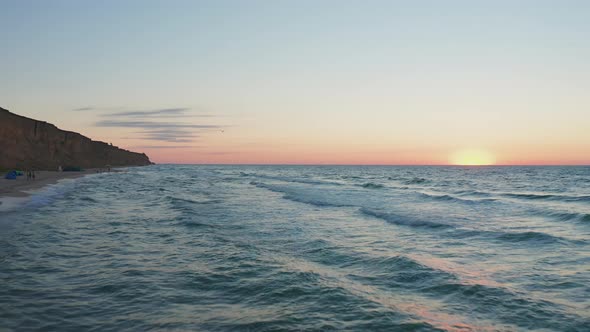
{"x":10,"y":175}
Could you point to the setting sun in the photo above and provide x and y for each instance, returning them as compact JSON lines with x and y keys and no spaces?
{"x":472,"y":157}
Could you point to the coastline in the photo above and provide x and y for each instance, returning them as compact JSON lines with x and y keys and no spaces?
{"x":20,"y":186}
{"x":13,"y":192}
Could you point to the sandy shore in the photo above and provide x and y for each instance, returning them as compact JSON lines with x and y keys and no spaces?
{"x":15,"y":192}
{"x":20,"y":186}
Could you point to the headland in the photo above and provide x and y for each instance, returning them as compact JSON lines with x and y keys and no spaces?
{"x":32,"y":145}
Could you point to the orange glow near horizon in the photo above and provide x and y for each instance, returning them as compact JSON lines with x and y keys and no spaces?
{"x":472,"y":157}
{"x":340,"y":156}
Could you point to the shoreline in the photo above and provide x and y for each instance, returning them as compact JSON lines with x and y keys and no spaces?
{"x":20,"y":186}
{"x":15,"y":191}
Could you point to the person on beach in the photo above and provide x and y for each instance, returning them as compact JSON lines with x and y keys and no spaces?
{"x":33,"y":174}
{"x":28,"y":175}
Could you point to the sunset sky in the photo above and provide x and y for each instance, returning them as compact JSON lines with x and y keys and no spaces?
{"x":308,"y":82}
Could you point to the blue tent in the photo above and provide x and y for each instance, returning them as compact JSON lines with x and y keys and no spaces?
{"x":10,"y":175}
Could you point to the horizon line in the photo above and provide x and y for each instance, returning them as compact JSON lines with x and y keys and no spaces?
{"x":396,"y":165}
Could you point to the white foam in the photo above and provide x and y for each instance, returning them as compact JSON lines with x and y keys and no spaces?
{"x":38,"y":196}
{"x":12,"y":203}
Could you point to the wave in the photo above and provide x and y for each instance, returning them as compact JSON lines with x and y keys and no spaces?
{"x":405,"y":264}
{"x":51,"y":193}
{"x":528,"y":196}
{"x":12,"y":203}
{"x":400,"y":272}
{"x":537,"y":237}
{"x":553,"y":197}
{"x":314,"y":202}
{"x":88,"y":199}
{"x":514,"y":237}
{"x":415,"y":180}
{"x":289,"y":179}
{"x":347,"y":177}
{"x":450,"y":198}
{"x":192,"y":201}
{"x":472,"y":290}
{"x":405,"y":221}
{"x":298,"y":198}
{"x":564,"y":216}
{"x":531,"y":236}
{"x":371,"y":185}
{"x":441,"y":197}
{"x":508,"y":306}
{"x":473,"y":193}
{"x":230,"y":178}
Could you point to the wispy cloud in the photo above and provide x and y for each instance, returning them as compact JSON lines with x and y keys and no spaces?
{"x":158,"y":113}
{"x":165,"y":147}
{"x":169,"y":135}
{"x":120,"y":112}
{"x":161,"y":131}
{"x":163,"y":111}
{"x":158,"y":124}
{"x":167,"y":139}
{"x":151,"y":125}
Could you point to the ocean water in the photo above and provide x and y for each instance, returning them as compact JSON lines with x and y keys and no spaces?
{"x":316,"y":248}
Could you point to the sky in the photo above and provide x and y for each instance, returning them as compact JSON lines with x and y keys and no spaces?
{"x":307,"y":82}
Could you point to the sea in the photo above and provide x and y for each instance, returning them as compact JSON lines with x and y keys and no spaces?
{"x":301,"y":248}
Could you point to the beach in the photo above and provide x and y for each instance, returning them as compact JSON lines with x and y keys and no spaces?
{"x":21,"y":186}
{"x":14,"y":193}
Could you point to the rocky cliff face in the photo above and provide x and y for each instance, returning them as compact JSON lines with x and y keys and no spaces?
{"x":27,"y":143}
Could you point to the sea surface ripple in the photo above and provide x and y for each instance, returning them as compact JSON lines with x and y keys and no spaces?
{"x":280,"y":248}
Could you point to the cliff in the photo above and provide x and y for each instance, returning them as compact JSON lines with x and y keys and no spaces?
{"x":27,"y":143}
